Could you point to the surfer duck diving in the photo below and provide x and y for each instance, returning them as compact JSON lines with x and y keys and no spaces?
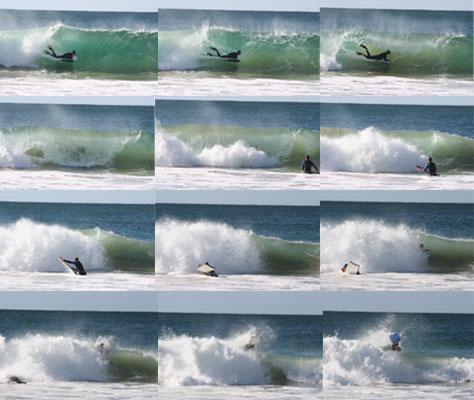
{"x":381,"y":56}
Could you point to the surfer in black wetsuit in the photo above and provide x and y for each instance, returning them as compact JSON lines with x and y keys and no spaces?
{"x":396,"y":347}
{"x":381,"y":56}
{"x":233,"y":55}
{"x":307,"y":166}
{"x":77,"y":264}
{"x":66,"y":56}
{"x":431,"y":168}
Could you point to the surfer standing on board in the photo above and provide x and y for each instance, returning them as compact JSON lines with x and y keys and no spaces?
{"x":233,"y":55}
{"x":381,"y":56}
{"x":66,"y":56}
{"x":77,"y":265}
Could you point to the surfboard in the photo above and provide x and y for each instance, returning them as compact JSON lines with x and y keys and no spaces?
{"x":233,"y":60}
{"x":352,"y":268}
{"x":419,"y":168}
{"x":206,"y":269}
{"x":395,"y":338}
{"x":69,"y":268}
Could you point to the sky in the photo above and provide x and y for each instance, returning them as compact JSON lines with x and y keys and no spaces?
{"x":304,"y":303}
{"x":277,"y":5}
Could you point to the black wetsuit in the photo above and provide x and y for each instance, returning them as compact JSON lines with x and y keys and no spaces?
{"x":65,"y":56}
{"x":431,"y":168}
{"x":78,"y":265}
{"x":381,"y":56}
{"x":306,"y":166}
{"x":233,"y":55}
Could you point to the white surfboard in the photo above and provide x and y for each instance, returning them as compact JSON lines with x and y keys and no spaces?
{"x":68,"y":268}
{"x":206,"y":269}
{"x":351,"y":268}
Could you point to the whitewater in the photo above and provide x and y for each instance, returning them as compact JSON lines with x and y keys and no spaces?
{"x":391,"y":259}
{"x":28,"y":261}
{"x":244,"y":260}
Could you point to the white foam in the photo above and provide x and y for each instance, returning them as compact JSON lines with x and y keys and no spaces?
{"x":369,"y":151}
{"x":376,"y":246}
{"x":34,"y":247}
{"x":367,"y":361}
{"x":186,"y":360}
{"x":171,"y":152}
{"x":40,"y":358}
{"x":181,"y":246}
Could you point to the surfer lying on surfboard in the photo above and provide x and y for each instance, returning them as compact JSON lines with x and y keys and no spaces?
{"x":71,"y":56}
{"x":76,"y":265}
{"x":381,"y":56}
{"x":230,"y":56}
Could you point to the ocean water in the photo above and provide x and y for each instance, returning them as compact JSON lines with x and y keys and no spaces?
{"x":432,"y":52}
{"x":251,"y":247}
{"x":235,"y":144}
{"x":279,"y":52}
{"x":114,"y":242}
{"x":377,"y":146}
{"x":76,"y":146}
{"x":436,"y":359}
{"x":205,"y":356}
{"x":116,"y":52}
{"x":385,"y":238}
{"x":58,"y":354}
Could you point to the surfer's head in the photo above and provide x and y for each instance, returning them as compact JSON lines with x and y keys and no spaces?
{"x":430,"y":159}
{"x":307,"y":156}
{"x":389,"y":52}
{"x":239,"y":52}
{"x":74,"y":52}
{"x":76,"y":259}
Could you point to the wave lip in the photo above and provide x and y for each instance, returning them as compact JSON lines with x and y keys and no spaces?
{"x":186,"y":360}
{"x":371,"y":150}
{"x":48,"y":148}
{"x":181,"y":246}
{"x":47,"y":358}
{"x":234,"y":147}
{"x":28,"y":246}
{"x":366,"y":361}
{"x":101,"y":51}
{"x":268,"y":53}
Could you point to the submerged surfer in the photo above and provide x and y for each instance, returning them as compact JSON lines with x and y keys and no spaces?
{"x":66,"y":56}
{"x":307,"y":166}
{"x":16,"y":379}
{"x":381,"y":56}
{"x":344,"y":267}
{"x":233,"y":55}
{"x":77,"y":265}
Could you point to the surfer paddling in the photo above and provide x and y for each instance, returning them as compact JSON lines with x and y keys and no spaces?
{"x":71,"y":56}
{"x":76,"y":265}
{"x":234,"y":55}
{"x":381,"y":56}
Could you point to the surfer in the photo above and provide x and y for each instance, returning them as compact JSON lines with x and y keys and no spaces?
{"x":65,"y":57}
{"x":396,"y":347}
{"x":16,"y":379}
{"x":395,"y":339}
{"x":307,"y":165}
{"x":233,"y":55}
{"x":211,"y":271}
{"x":431,"y":168}
{"x":77,"y":265}
{"x":346,"y":265}
{"x":424,"y":249}
{"x":381,"y":56}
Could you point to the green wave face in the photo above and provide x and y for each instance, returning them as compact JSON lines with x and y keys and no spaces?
{"x":126,"y":365}
{"x":451,"y":153}
{"x":100,"y":51}
{"x":449,"y":255}
{"x":266,"y":53}
{"x":288,"y":258}
{"x":288,"y":146}
{"x":126,"y":254}
{"x":49,"y":148}
{"x":412,"y":53}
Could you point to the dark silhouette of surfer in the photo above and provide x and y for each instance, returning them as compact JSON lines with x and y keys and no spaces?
{"x":232,"y":56}
{"x":77,"y":265}
{"x":431,"y":167}
{"x":381,"y":56}
{"x":307,"y":165}
{"x":16,"y":379}
{"x":65,"y":57}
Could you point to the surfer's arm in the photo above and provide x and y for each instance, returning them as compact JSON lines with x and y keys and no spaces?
{"x":314,"y":166}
